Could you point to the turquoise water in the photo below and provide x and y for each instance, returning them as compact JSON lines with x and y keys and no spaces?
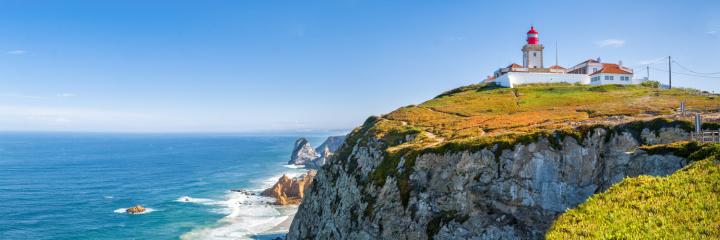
{"x":75,"y":186}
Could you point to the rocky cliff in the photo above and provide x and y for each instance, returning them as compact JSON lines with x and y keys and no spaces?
{"x":290,"y":190}
{"x":486,"y":193}
{"x":326,"y":150}
{"x":481,"y":162}
{"x":302,"y":153}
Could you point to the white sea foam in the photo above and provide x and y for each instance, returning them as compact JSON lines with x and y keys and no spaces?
{"x":293,"y":166}
{"x":122,"y":210}
{"x":247,"y":213}
{"x":205,"y":201}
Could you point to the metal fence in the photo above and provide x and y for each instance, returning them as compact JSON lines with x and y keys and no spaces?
{"x":706,"y":136}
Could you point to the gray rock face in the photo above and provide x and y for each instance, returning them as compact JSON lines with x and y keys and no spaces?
{"x":326,"y":150}
{"x":330,"y":145}
{"x":473,"y":194}
{"x":302,"y":152}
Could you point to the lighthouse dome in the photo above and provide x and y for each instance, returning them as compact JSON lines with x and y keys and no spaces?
{"x":532,"y":30}
{"x":532,"y":36}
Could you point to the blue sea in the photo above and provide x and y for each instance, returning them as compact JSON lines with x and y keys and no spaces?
{"x":77,"y":185}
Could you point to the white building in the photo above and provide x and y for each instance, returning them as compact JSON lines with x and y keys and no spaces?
{"x":611,"y":74}
{"x":587,"y":67}
{"x":533,"y":71}
{"x":514,"y":78}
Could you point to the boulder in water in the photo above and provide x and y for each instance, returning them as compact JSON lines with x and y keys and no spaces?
{"x":135,"y":209}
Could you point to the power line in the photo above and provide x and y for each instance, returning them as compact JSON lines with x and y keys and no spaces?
{"x":656,"y":61}
{"x":646,"y":66}
{"x":686,"y":74}
{"x":690,"y":70}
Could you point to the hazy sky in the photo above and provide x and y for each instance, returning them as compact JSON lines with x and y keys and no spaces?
{"x":302,"y":65}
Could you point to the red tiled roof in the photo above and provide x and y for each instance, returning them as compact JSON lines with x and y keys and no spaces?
{"x":611,"y":68}
{"x":556,"y":67}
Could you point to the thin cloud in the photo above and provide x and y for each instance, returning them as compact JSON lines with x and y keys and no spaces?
{"x":16,"y":52}
{"x":66,"y":95}
{"x":55,"y":115}
{"x":24,"y":96}
{"x":712,"y":33}
{"x":616,"y":43}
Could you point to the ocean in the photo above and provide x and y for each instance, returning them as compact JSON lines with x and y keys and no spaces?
{"x":77,"y":185}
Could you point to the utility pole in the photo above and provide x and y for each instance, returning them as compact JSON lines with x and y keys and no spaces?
{"x":670,"y":72}
{"x":647,"y":68}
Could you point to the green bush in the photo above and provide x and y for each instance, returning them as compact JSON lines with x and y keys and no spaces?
{"x":684,"y":205}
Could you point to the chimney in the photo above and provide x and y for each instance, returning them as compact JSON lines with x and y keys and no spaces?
{"x":620,"y":63}
{"x":598,"y":59}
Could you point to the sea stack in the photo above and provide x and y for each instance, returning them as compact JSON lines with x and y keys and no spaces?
{"x":135,"y":209}
{"x":302,"y":152}
{"x":290,"y":190}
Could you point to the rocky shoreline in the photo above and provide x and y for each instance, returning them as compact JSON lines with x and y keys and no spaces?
{"x":290,"y":190}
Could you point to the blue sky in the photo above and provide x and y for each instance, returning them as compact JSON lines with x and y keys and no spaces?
{"x":236,"y":66}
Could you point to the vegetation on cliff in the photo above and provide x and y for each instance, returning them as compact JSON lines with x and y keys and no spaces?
{"x":486,"y":116}
{"x":481,"y":110}
{"x":396,"y":175}
{"x":684,"y":205}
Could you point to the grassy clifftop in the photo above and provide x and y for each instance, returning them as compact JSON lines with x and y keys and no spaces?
{"x":685,"y":205}
{"x":478,"y":116}
{"x":485,"y":110}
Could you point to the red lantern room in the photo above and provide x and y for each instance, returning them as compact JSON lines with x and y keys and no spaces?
{"x":532,"y":36}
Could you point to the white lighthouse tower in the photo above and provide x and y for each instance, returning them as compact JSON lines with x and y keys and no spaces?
{"x":533,"y":50}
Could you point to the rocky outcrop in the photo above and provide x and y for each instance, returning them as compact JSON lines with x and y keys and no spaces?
{"x":492,"y":192}
{"x":331,"y":145}
{"x":290,"y":190}
{"x":135,"y":209}
{"x":326,"y":150}
{"x":302,"y":152}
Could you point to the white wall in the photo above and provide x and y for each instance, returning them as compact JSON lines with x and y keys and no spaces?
{"x":513,"y":78}
{"x":616,"y":79}
{"x":534,"y":61}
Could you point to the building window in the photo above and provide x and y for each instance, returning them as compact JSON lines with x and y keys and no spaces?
{"x":594,"y":69}
{"x":609,"y":78}
{"x":534,"y":54}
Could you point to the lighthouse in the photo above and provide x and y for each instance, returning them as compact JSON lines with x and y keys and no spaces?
{"x":533,"y":50}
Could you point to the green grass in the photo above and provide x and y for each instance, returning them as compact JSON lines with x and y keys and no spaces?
{"x":684,"y":205}
{"x":486,"y":116}
{"x":480,"y":110}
